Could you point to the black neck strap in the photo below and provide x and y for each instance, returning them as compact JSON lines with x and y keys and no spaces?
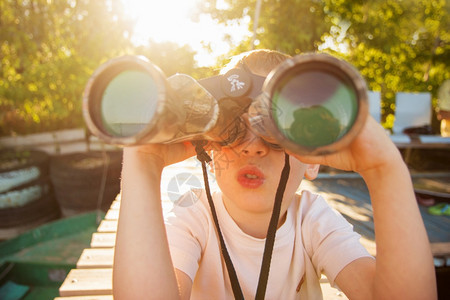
{"x":271,"y":232}
{"x":204,"y":158}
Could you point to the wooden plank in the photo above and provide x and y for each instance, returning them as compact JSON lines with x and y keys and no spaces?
{"x":58,"y":142}
{"x":27,"y":140}
{"x":89,"y":284}
{"x":95,"y":144}
{"x":51,"y":149}
{"x":92,"y":258}
{"x":101,"y":147}
{"x":93,"y":297}
{"x":72,"y":147}
{"x":438,"y":227}
{"x":69,"y":135}
{"x":39,"y":139}
{"x":424,"y":143}
{"x":103,"y":240}
{"x":107,"y":226}
{"x":440,"y":249}
{"x":112,"y":214}
{"x":116,"y":203}
{"x":82,"y":282}
{"x":350,"y":197}
{"x":432,"y":185}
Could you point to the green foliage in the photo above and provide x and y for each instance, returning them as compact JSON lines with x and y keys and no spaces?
{"x":48,"y":50}
{"x":293,"y":26}
{"x":401,"y":45}
{"x":164,"y":54}
{"x":396,"y":45}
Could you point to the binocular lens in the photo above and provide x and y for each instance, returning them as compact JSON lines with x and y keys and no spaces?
{"x":128,"y":103}
{"x":314,"y":108}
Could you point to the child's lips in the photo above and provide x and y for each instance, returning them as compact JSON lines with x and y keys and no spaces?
{"x":250,"y":177}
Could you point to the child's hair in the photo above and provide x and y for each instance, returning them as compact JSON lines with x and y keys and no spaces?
{"x":260,"y":62}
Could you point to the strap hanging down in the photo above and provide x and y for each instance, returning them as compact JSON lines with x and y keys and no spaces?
{"x":203,"y":157}
{"x":273,"y":225}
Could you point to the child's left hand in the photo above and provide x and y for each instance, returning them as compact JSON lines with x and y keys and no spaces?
{"x":371,"y":149}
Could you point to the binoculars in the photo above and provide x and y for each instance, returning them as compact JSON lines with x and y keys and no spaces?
{"x":312,"y":104}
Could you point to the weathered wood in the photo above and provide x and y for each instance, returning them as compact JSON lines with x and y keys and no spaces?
{"x":81,"y":282}
{"x":422,"y":142}
{"x":116,"y":203}
{"x":95,"y":144}
{"x":440,"y":249}
{"x":107,"y":226}
{"x":71,"y":148}
{"x":349,"y":196}
{"x":103,"y":240}
{"x":92,"y":258}
{"x":433,"y":184}
{"x":57,"y":142}
{"x":112,"y":214}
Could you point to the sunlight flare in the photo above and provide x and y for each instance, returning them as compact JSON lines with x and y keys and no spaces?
{"x":171,"y":20}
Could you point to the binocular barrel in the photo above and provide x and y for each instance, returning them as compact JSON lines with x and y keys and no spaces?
{"x":128,"y":101}
{"x":311,"y":104}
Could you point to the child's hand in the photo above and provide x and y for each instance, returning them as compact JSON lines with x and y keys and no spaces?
{"x":371,"y":149}
{"x":163,"y":154}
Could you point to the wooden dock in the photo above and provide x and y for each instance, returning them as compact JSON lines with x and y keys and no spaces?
{"x":92,"y":278}
{"x":348,"y":194}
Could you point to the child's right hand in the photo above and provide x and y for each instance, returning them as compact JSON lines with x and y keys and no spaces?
{"x":162,"y":154}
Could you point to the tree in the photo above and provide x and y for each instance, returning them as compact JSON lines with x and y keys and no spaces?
{"x":396,"y":45}
{"x":293,"y":26}
{"x":48,"y":50}
{"x":165,"y":53}
{"x":401,"y":45}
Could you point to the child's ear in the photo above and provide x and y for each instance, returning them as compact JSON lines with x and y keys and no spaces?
{"x":311,"y":171}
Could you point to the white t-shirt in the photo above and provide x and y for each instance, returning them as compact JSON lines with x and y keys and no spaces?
{"x":314,"y":239}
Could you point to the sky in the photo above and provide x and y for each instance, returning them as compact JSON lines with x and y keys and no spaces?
{"x":170,"y":20}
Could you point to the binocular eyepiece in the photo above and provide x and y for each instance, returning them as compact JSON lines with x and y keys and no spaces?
{"x":311,"y":104}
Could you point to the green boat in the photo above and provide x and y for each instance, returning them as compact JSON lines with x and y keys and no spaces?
{"x":34,"y":264}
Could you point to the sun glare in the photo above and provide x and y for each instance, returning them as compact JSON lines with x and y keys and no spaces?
{"x":170,"y":20}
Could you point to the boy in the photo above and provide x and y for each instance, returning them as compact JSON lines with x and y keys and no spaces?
{"x":182,"y":258}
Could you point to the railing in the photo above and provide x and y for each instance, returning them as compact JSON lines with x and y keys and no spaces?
{"x":57,"y":142}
